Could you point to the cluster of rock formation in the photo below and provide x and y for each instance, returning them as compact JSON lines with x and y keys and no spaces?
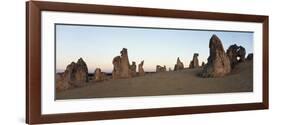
{"x":236,"y":54}
{"x":122,"y":67}
{"x":74,"y":75}
{"x":219,"y":64}
{"x":194,"y":63}
{"x":218,"y":61}
{"x":178,"y":65}
{"x":77,"y":73}
{"x":161,"y":68}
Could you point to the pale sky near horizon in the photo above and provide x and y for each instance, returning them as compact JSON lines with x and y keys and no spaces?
{"x":98,"y":45}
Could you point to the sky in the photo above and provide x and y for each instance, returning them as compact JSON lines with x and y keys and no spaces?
{"x":98,"y":45}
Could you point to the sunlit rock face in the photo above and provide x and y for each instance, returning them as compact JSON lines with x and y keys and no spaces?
{"x":74,"y":75}
{"x":99,"y":75}
{"x":121,"y":66}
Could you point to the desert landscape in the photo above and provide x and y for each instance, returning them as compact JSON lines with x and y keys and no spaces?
{"x":225,"y":71}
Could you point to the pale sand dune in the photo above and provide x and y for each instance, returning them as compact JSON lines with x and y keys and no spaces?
{"x":185,"y":81}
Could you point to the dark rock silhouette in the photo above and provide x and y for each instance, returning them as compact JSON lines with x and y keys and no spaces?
{"x":194,"y":63}
{"x":203,"y":64}
{"x":250,"y":56}
{"x":141,"y":70}
{"x":74,"y":75}
{"x":133,"y":69}
{"x":179,"y":65}
{"x":236,"y":54}
{"x":121,"y":66}
{"x":160,"y":68}
{"x":218,"y":62}
{"x":99,"y":76}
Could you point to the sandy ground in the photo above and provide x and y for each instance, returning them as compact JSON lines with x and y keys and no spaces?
{"x":185,"y":81}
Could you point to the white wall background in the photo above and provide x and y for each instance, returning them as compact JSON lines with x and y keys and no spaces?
{"x":12,"y":70}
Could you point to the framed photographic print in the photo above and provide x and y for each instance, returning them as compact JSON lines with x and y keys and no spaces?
{"x":94,"y":62}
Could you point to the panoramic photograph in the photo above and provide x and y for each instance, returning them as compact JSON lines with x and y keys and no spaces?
{"x":94,"y":61}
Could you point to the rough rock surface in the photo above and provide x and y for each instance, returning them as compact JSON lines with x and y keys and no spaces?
{"x":218,"y":62}
{"x":141,"y":70}
{"x":121,"y":66}
{"x":160,"y":68}
{"x":76,"y":72}
{"x":60,"y":83}
{"x":236,"y":54}
{"x":99,"y":75}
{"x":133,"y":69}
{"x":74,"y":75}
{"x":178,"y":65}
{"x":194,"y":63}
{"x":250,"y":56}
